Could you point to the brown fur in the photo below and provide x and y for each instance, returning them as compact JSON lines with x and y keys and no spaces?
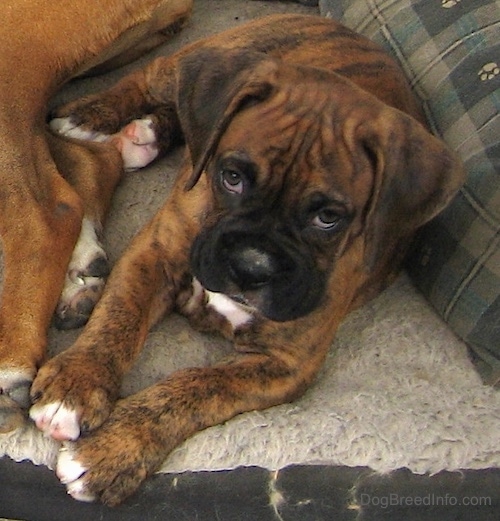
{"x":48,"y":183}
{"x":367,"y":149}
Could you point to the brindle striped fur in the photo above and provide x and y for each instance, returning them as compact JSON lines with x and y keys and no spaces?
{"x":218,"y":95}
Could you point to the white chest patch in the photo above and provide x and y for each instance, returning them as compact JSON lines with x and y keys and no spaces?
{"x":236,"y":314}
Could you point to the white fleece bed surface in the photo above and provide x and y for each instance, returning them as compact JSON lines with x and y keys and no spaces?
{"x":397,"y":390}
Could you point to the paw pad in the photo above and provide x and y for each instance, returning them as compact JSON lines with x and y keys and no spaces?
{"x":489,"y":71}
{"x":448,"y":4}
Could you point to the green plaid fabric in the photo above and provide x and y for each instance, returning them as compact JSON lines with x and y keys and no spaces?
{"x":450,"y":50}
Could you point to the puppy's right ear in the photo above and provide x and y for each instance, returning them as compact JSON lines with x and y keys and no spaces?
{"x":213,"y":85}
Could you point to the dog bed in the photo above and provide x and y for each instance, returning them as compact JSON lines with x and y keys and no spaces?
{"x":399,"y":414}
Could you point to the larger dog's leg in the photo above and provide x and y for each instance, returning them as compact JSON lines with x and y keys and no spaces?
{"x":41,"y":213}
{"x":93,"y":170}
{"x":45,"y":242}
{"x":41,"y":217}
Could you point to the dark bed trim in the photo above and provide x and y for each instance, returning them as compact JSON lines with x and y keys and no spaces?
{"x":300,"y":493}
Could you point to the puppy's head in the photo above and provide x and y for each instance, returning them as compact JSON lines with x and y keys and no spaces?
{"x":302,"y":165}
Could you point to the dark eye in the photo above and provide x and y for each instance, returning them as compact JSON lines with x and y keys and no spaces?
{"x":326,"y":219}
{"x":232,"y":181}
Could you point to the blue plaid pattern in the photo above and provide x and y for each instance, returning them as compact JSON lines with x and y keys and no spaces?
{"x":450,"y":51}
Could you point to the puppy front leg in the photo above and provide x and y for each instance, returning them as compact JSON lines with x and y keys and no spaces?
{"x":112,"y":461}
{"x":138,"y":114}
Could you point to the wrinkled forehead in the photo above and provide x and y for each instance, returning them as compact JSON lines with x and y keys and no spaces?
{"x":291,"y":112}
{"x":294,"y":140}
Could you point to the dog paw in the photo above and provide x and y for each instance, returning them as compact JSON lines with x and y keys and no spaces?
{"x":137,"y":143}
{"x":14,"y":399}
{"x":12,"y":416}
{"x":70,"y":472}
{"x":69,"y":127}
{"x":92,"y":118}
{"x":109,"y":464}
{"x":57,"y":421}
{"x":85,"y":280}
{"x":72,"y":393}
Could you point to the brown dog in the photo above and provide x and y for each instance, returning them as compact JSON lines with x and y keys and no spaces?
{"x":307,"y":173}
{"x":50,"y":186}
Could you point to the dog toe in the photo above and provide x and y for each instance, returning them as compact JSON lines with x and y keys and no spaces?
{"x":12,"y":416}
{"x":19,"y":392}
{"x":56,"y":420}
{"x":98,"y":268}
{"x":68,"y":468}
{"x":137,"y":143}
{"x":74,"y":312}
{"x":71,"y":473}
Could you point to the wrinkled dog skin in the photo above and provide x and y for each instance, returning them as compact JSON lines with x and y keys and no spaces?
{"x":54,"y":191}
{"x":308,"y":168}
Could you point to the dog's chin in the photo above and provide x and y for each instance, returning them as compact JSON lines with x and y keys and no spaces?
{"x":261,"y":302}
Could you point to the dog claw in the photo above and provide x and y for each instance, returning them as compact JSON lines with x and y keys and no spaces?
{"x":80,"y":281}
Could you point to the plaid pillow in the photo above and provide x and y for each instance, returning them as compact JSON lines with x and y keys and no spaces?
{"x":450,"y":50}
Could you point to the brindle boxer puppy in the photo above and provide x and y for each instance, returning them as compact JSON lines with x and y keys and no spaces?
{"x":308,"y":170}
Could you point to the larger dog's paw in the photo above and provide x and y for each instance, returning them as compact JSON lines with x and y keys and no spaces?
{"x":14,"y":399}
{"x":85,"y":280}
{"x":136,"y":141}
{"x":72,"y":393}
{"x":110,"y":463}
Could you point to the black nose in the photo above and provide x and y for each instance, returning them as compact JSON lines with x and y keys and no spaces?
{"x":251,"y":268}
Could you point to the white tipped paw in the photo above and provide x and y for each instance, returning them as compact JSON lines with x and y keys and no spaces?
{"x":67,"y":127}
{"x":56,"y":420}
{"x":71,"y":473}
{"x":85,"y":280}
{"x":137,"y":143}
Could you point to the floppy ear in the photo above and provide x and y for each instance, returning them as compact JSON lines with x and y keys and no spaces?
{"x":416,"y":176}
{"x":213,"y":84}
